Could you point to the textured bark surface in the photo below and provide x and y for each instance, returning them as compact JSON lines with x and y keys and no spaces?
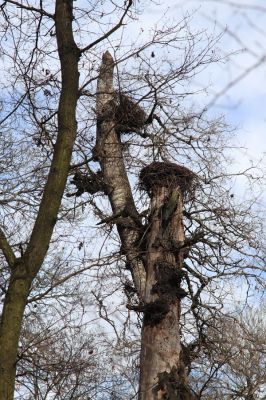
{"x":156,"y":270}
{"x":24,"y":270}
{"x":10,"y":327}
{"x":109,"y":153}
{"x":160,"y":342}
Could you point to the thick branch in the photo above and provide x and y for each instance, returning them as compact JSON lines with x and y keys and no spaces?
{"x":7,"y":249}
{"x":28,"y":266}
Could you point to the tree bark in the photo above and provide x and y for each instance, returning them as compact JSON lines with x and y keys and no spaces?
{"x":24,"y":270}
{"x":110,"y":156}
{"x":160,"y":366}
{"x":156,"y":269}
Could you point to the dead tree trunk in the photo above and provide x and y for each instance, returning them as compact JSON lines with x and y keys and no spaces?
{"x":162,"y":375}
{"x":157,"y":269}
{"x":109,"y":153}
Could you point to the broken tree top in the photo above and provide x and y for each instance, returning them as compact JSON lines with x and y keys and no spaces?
{"x":107,"y":58}
{"x":166,"y":174}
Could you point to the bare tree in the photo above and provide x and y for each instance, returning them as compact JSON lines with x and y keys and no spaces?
{"x":175,"y":237}
{"x":155,"y":252}
{"x":232,"y":363}
{"x":25,"y":268}
{"x":156,"y":265}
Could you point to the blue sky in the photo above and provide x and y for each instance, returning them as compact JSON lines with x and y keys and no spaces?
{"x":244,"y":104}
{"x":243,"y":44}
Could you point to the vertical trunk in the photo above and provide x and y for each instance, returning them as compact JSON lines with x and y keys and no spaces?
{"x":11,"y":320}
{"x":160,"y":342}
{"x":158,"y":277}
{"x":23,"y":271}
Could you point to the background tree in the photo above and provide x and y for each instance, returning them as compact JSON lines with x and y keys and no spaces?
{"x":86,"y":265}
{"x":25,"y":268}
{"x":56,"y":361}
{"x":231,"y":365}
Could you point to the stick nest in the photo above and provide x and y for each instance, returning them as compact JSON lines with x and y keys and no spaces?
{"x":127,"y":115}
{"x":168,"y":175}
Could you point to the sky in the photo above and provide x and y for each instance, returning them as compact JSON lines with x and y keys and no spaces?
{"x":240,"y":80}
{"x":244,"y":103}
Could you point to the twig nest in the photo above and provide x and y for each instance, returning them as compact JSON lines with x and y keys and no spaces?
{"x":125,"y":113}
{"x":129,"y":116}
{"x":166,"y":174}
{"x":92,"y":183}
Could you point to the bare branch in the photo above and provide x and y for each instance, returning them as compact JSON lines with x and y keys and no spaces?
{"x":111,"y":31}
{"x":29,"y":8}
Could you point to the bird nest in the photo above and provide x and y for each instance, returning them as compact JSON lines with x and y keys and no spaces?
{"x":129,"y":116}
{"x":126,"y":114}
{"x":167,"y":174}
